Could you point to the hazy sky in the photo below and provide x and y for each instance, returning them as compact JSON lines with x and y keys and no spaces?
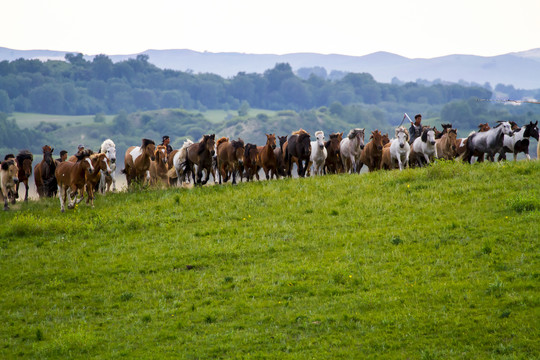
{"x":413,"y":28}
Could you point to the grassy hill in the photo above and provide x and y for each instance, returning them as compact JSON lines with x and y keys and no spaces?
{"x":434,"y":263}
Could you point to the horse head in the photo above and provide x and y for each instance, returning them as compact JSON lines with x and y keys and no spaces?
{"x":161,"y":154}
{"x":304,"y":144}
{"x":452,"y":137}
{"x":402,"y":135}
{"x":531,"y":130}
{"x":385,"y":139}
{"x":24,"y":162}
{"x":282,"y":141}
{"x":11,"y":169}
{"x":250,"y":152}
{"x":506,"y":127}
{"x":376,"y":138}
{"x":148,"y":148}
{"x":47,"y":154}
{"x":84,"y":158}
{"x":111,"y":154}
{"x":239,"y":148}
{"x":428,"y":135}
{"x":271,"y":140}
{"x":100,"y":162}
{"x":319,"y":136}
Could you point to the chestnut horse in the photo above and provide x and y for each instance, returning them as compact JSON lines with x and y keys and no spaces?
{"x":251,"y":153}
{"x":44,"y":174}
{"x":8,"y":181}
{"x":446,"y":144}
{"x":299,"y":150}
{"x":137,"y":161}
{"x":371,"y":156}
{"x":266,"y":159}
{"x":158,"y":167}
{"x":71,"y":178}
{"x":200,"y":154}
{"x":101,"y":164}
{"x":333,"y":162}
{"x":24,"y":163}
{"x":230,"y":155}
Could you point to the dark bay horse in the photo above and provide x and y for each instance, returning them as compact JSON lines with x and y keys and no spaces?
{"x":24,"y":163}
{"x":333,"y":162}
{"x":266,"y":159}
{"x":200,"y":154}
{"x":137,"y":161}
{"x":230,"y":155}
{"x":299,"y":147}
{"x":280,"y":153}
{"x":71,"y":178}
{"x":44,"y":174}
{"x":251,"y":153}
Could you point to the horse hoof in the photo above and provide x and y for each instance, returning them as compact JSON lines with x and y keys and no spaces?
{"x":62,"y":210}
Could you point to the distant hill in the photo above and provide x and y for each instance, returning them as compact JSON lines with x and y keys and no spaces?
{"x":515,"y":69}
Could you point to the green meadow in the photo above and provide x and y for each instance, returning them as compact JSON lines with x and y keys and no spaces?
{"x":435,"y":263}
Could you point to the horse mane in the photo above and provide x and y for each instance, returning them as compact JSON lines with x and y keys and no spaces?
{"x":9,"y":156}
{"x":237,"y":144}
{"x":146,"y":142}
{"x":334,"y":136}
{"x":221,"y":140}
{"x":303,"y":136}
{"x":202,"y":144}
{"x":248,"y":148}
{"x":7,"y":163}
{"x":317,"y":133}
{"x":107,"y":144}
{"x":47,"y":148}
{"x":300,"y":132}
{"x":24,"y":155}
{"x":83,"y":154}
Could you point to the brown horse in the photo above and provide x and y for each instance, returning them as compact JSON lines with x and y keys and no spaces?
{"x":101,"y":164}
{"x":71,"y":178}
{"x":230,"y":155}
{"x":446,"y":144}
{"x":461,"y":143}
{"x":137,"y":161}
{"x":8,"y":181}
{"x":371,"y":156}
{"x":266,"y":159}
{"x":298,"y":150}
{"x":201,"y":154}
{"x":333,"y":162}
{"x":44,"y":174}
{"x":24,"y":163}
{"x":159,"y":167}
{"x":251,"y":153}
{"x":280,"y":154}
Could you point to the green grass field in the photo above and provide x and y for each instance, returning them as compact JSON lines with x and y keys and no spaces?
{"x":434,"y":263}
{"x":30,"y":121}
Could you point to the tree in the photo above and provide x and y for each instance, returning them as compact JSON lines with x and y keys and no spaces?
{"x":102,"y":67}
{"x":47,"y":99}
{"x":5,"y":103}
{"x":244,"y":108}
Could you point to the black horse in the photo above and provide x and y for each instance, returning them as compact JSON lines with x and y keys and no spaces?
{"x":298,"y":147}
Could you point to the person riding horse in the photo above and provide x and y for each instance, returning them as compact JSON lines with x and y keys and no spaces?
{"x":416,"y":128}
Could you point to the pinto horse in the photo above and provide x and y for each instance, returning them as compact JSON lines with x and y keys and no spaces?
{"x":461,"y":144}
{"x":333,"y":162}
{"x":519,"y":142}
{"x":201,"y":155}
{"x":24,"y":163}
{"x":175,"y":161}
{"x":230,"y":156}
{"x":423,"y":148}
{"x":371,"y":156}
{"x":490,"y":142}
{"x":298,"y":147}
{"x":44,"y":174}
{"x":8,"y":181}
{"x":251,"y":153}
{"x":137,"y":161}
{"x":350,"y":149}
{"x":446,"y":144}
{"x":397,"y":151}
{"x":158,"y":167}
{"x":266,"y":159}
{"x":71,"y":178}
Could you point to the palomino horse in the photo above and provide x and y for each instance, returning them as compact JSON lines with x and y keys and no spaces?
{"x":251,"y":153}
{"x":318,"y":154}
{"x":8,"y":181}
{"x":175,"y":161}
{"x":230,"y":155}
{"x":333,"y":162}
{"x":137,"y":161}
{"x":71,"y":178}
{"x":44,"y":174}
{"x":299,"y":148}
{"x":24,"y":163}
{"x":519,"y":142}
{"x":371,"y":156}
{"x":280,"y":154}
{"x":266,"y":159}
{"x":158,"y":167}
{"x":446,"y":144}
{"x":350,"y":149}
{"x":109,"y":149}
{"x":423,"y":148}
{"x":397,"y":151}
{"x":461,"y":144}
{"x":490,"y":142}
{"x":200,"y":154}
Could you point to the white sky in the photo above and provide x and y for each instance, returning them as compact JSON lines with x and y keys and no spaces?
{"x":411,"y":28}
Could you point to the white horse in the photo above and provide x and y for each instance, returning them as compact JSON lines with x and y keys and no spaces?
{"x":109,"y":148}
{"x":519,"y":141}
{"x":178,"y":159}
{"x":318,"y":154}
{"x":490,"y":142}
{"x":350,"y":149}
{"x":400,"y":148}
{"x":423,"y":148}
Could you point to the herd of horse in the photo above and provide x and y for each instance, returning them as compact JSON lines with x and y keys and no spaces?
{"x":224,"y":159}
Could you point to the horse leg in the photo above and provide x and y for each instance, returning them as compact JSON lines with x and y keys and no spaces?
{"x":26,"y":190}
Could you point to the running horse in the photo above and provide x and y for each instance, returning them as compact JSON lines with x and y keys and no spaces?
{"x":333,"y":162}
{"x":371,"y":156}
{"x":109,"y":149}
{"x":8,"y":181}
{"x":24,"y":163}
{"x":266,"y":158}
{"x":101,"y":164}
{"x":251,"y":153}
{"x":490,"y":142}
{"x":71,"y":178}
{"x":230,"y":155}
{"x":44,"y":174}
{"x":137,"y":161}
{"x":446,"y":144}
{"x":200,"y":154}
{"x":298,"y":149}
{"x":158,"y":167}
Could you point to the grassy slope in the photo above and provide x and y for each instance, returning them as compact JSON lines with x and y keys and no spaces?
{"x":429,"y":263}
{"x":30,"y":120}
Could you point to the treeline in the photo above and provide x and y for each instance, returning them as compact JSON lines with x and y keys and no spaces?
{"x":81,"y":87}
